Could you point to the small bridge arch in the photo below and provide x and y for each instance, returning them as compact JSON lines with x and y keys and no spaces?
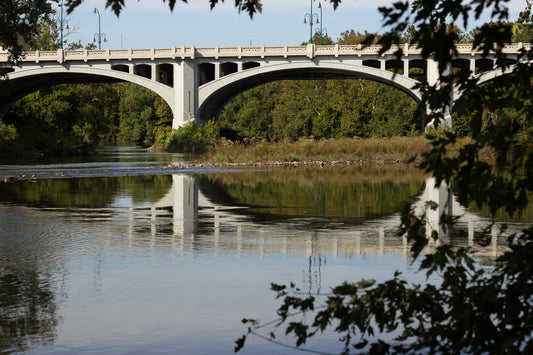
{"x":486,"y":77}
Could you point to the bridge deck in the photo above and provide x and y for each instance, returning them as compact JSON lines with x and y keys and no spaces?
{"x":183,"y":52}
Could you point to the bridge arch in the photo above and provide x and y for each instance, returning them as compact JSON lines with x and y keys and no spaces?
{"x":486,"y":77}
{"x":214,"y":94}
{"x":23,"y":82}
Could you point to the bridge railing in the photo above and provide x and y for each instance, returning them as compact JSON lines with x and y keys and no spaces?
{"x":309,"y":51}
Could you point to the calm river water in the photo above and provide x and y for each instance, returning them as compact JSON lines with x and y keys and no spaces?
{"x":120,"y":254}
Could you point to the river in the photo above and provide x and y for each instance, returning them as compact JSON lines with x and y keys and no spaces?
{"x":120,"y":253}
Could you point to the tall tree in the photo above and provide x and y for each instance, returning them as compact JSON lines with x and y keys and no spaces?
{"x":20,"y":23}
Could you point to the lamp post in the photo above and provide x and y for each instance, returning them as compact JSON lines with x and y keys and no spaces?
{"x":311,"y":16}
{"x":61,"y":22}
{"x":321,"y":30}
{"x":99,"y":35}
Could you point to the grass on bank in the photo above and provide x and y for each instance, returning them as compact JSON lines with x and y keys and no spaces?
{"x":305,"y":150}
{"x":219,"y":151}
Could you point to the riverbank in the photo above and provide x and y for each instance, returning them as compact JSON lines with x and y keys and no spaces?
{"x":323,"y":152}
{"x":347,"y":151}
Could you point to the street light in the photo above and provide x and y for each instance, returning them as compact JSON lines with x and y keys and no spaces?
{"x":61,"y":21}
{"x":311,"y":16}
{"x":322,"y":30}
{"x":99,"y":35}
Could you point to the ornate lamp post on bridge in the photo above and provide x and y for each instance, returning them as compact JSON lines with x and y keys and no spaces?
{"x":99,"y":35}
{"x":311,"y":17}
{"x":321,"y":31}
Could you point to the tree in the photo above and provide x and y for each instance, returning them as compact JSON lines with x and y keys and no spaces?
{"x":141,"y":112}
{"x":20,"y":22}
{"x":325,"y":40}
{"x":469,"y":308}
{"x":291,"y":109}
{"x":350,"y":37}
{"x":47,"y":118}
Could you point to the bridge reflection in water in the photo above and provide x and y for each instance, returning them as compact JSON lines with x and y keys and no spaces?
{"x":193,"y":225}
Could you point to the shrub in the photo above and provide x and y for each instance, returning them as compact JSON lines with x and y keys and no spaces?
{"x":192,"y":137}
{"x":8,"y":134}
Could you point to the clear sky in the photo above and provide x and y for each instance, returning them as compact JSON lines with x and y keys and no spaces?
{"x":149,"y":23}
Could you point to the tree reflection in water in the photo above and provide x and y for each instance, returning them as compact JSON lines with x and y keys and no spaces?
{"x":28,"y":310}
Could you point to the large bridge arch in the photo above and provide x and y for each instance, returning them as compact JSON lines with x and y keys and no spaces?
{"x":213,"y":95}
{"x":24,"y":82}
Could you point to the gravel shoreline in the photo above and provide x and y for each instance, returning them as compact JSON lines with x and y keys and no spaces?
{"x":183,"y":168}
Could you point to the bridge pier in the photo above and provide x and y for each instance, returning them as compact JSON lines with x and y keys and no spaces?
{"x":432,"y":78}
{"x":185,"y":94}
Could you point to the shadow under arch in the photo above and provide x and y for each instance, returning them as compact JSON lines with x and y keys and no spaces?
{"x":215,"y":94}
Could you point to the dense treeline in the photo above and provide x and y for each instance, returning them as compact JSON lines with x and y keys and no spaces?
{"x":288,"y":110}
{"x":68,"y":118}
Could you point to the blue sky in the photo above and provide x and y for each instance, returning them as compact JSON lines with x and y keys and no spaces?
{"x":149,"y":23}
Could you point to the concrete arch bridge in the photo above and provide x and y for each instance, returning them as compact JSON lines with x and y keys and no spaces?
{"x":197,"y":82}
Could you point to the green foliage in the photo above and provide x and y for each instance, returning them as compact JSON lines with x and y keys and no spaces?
{"x":8,"y":134}
{"x":136,"y":115}
{"x":325,"y":40}
{"x":47,"y":118}
{"x":68,"y":118}
{"x":464,"y":307}
{"x":98,"y":118}
{"x":141,"y":113}
{"x":350,"y":37}
{"x":47,"y":40}
{"x":20,"y":23}
{"x":288,"y":110}
{"x":190,"y":138}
